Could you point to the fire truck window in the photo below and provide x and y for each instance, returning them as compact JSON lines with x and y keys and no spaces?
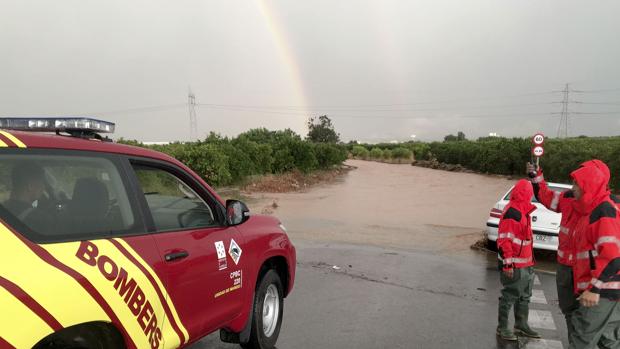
{"x":173,"y":204}
{"x":63,"y":198}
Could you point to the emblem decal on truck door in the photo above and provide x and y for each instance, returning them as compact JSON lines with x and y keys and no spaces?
{"x":234,"y":251}
{"x":221,"y":255}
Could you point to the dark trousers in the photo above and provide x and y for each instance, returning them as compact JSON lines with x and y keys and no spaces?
{"x":516,"y":292}
{"x":597,"y":325}
{"x":566,"y":295}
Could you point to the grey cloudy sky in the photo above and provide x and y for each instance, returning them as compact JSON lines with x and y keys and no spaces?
{"x":382,"y":70}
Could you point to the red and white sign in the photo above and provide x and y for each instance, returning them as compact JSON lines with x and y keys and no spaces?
{"x":538,"y":139}
{"x":538,"y":151}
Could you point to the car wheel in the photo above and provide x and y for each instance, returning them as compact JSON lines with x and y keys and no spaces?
{"x":267,"y":312}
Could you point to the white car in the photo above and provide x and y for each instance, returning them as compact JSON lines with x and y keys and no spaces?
{"x":545,"y":223}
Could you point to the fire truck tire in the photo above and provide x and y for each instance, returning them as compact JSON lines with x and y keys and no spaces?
{"x":267,"y":312}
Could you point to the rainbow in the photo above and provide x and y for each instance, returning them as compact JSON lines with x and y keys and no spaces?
{"x":285,"y":52}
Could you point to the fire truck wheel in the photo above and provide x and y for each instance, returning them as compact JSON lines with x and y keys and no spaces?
{"x":267,"y":312}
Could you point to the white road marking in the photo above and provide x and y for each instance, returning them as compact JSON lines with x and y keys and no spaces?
{"x":538,"y":296}
{"x":542,"y":344}
{"x":541,"y":319}
{"x":536,"y":280}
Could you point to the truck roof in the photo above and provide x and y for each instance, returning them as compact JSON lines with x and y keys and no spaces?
{"x":53,"y":141}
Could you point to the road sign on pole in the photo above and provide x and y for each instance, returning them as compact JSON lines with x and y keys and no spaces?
{"x":538,"y":151}
{"x":538,"y":139}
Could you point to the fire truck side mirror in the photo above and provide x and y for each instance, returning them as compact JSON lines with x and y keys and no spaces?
{"x":236,"y":212}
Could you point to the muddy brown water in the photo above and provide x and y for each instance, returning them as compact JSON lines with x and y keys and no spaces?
{"x":394,"y":206}
{"x":390,"y":205}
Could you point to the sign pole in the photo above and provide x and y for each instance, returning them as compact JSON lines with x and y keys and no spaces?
{"x":538,"y":142}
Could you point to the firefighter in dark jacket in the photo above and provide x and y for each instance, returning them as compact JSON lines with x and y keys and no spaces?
{"x":514,"y":244}
{"x":597,"y":262}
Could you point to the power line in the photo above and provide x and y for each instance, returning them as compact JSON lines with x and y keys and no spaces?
{"x":358,"y":111}
{"x":137,"y":110}
{"x":446,"y":116}
{"x":330,"y":107}
{"x":599,"y":91}
{"x":589,"y":113}
{"x":596,"y":113}
{"x":362,"y":106}
{"x":599,"y":103}
{"x":306,"y":110}
{"x":362,"y":116}
{"x":164,"y":107}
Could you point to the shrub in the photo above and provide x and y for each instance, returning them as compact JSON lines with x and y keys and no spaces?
{"x":222,"y":161}
{"x":421,"y":151}
{"x":376,"y":153}
{"x":304,"y":157}
{"x":207,"y":160}
{"x":330,"y":155}
{"x":401,"y":153}
{"x":508,"y":156}
{"x":360,"y":152}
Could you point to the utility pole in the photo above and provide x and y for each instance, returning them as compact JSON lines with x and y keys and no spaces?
{"x":193,"y":122}
{"x":563,"y":125}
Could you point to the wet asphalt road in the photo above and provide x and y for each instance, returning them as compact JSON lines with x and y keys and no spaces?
{"x":388,"y":298}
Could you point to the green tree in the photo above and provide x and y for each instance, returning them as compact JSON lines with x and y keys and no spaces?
{"x":321,"y":130}
{"x":460,"y":136}
{"x":450,"y":138}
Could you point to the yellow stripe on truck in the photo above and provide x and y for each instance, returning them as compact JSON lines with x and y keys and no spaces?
{"x":169,"y":331}
{"x":2,"y":144}
{"x":13,"y":139}
{"x":61,"y":295}
{"x":123,"y":285}
{"x":18,"y":324}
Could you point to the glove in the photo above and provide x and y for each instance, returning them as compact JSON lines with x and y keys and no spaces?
{"x":530,"y":170}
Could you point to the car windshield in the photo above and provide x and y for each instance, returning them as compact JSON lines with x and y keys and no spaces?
{"x":554,"y":188}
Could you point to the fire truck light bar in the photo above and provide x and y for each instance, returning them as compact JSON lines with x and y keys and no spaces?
{"x":57,"y":124}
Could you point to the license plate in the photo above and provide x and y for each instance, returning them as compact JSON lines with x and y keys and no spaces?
{"x":542,"y":238}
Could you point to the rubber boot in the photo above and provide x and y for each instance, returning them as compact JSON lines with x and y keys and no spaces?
{"x":502,"y":319}
{"x":522,"y":311}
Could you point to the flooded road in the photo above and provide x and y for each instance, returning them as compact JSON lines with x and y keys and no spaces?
{"x":384,"y":261}
{"x":397,"y":206}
